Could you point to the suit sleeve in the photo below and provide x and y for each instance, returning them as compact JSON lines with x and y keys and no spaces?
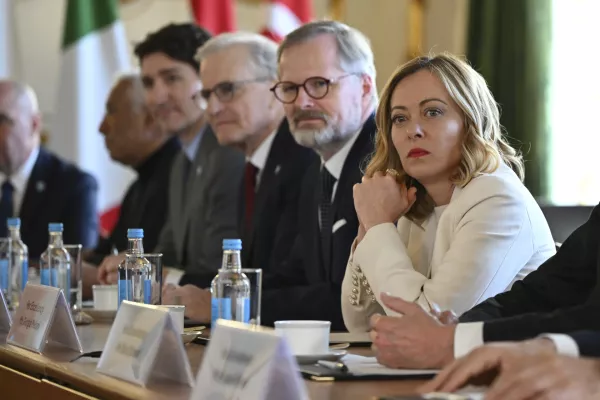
{"x":221,"y":212}
{"x":588,"y":342}
{"x":81,"y":216}
{"x":559,"y":297}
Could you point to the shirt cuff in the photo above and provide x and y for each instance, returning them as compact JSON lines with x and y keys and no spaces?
{"x":565,"y":345}
{"x":467,"y":337}
{"x":173,"y":276}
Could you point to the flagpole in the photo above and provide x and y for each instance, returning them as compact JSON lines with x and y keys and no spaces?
{"x":337,"y":9}
{"x":416,"y":17}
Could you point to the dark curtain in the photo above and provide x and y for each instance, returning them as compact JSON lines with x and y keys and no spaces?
{"x":509,"y":43}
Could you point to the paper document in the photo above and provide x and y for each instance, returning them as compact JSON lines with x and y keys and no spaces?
{"x":359,"y":365}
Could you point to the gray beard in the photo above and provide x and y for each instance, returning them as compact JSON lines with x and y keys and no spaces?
{"x":324,"y":141}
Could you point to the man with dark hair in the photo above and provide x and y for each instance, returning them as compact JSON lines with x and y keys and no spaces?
{"x":205,"y":177}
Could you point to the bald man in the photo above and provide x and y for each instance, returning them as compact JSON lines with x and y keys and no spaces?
{"x":36,"y":185}
{"x":134,"y":139}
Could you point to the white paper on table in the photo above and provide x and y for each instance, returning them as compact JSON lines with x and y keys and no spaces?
{"x":359,"y":365}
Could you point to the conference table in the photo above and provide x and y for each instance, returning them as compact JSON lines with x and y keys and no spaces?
{"x":24,"y":374}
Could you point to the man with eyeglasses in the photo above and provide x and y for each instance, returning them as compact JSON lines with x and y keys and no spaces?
{"x":237,"y":71}
{"x":205,"y":177}
{"x":327,"y":87}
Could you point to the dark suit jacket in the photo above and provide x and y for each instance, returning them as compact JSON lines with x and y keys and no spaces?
{"x":561,"y":296}
{"x":145,"y":204}
{"x":275,"y":216}
{"x":193,"y":235}
{"x":58,"y":192}
{"x":588,"y":343}
{"x":303,"y":287}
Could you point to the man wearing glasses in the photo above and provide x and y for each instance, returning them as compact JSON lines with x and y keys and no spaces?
{"x":205,"y":177}
{"x":237,"y":72}
{"x":327,"y":88}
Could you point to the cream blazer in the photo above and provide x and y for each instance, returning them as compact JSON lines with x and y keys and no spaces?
{"x":491,"y":234}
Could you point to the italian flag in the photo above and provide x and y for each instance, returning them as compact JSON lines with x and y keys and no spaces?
{"x":94,"y":52}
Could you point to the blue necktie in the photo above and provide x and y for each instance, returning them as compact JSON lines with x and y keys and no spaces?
{"x":6,"y":206}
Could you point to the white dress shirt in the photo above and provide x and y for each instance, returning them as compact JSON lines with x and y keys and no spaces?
{"x":468,"y":336}
{"x":20,"y":179}
{"x":260,"y":155}
{"x":191,"y":149}
{"x":491,"y":234}
{"x":335,"y":164}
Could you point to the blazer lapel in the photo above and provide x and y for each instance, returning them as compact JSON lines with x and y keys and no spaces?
{"x":35,"y":190}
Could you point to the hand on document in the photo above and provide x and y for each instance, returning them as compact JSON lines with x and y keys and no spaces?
{"x":415,"y":340}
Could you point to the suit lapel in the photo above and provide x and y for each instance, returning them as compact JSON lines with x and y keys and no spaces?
{"x":35,"y":190}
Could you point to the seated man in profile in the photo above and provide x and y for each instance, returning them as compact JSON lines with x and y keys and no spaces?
{"x":37,"y":185}
{"x":134,"y":139}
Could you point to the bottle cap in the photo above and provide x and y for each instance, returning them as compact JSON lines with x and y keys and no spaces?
{"x":13,"y":222}
{"x":232,"y":244}
{"x":55,"y":227}
{"x":135,"y":233}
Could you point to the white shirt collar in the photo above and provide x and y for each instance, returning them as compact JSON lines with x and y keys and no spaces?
{"x":336,"y":163}
{"x":21,"y":177}
{"x":260,"y":155}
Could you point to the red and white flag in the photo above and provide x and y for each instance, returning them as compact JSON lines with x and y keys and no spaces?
{"x":216,"y":16}
{"x":286,"y":15}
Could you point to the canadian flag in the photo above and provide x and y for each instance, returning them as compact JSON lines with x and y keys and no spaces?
{"x":286,"y":15}
{"x":216,"y":16}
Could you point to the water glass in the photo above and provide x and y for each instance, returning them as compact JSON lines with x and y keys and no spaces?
{"x":254,"y":275}
{"x":5,"y":268}
{"x":76,"y":286}
{"x":153,"y":282}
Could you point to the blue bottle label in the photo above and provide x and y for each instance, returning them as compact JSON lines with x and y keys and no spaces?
{"x":68,"y":288}
{"x":148,"y":291}
{"x":125,"y":292}
{"x":4,"y":263}
{"x":49,"y":277}
{"x":247,"y":310}
{"x":24,"y":273}
{"x":221,"y":308}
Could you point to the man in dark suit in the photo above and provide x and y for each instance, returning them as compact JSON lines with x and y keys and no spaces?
{"x":237,"y":72}
{"x":327,"y":86}
{"x":36,"y":185}
{"x":205,"y":176}
{"x":134,"y":139}
{"x":562,"y":296}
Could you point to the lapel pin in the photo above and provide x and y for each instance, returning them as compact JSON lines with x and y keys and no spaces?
{"x":198,"y":170}
{"x":40,"y":186}
{"x":277,"y":169}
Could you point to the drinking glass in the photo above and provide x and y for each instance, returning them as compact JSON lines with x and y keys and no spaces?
{"x":154,"y":280}
{"x":76,"y":286}
{"x":254,"y":275}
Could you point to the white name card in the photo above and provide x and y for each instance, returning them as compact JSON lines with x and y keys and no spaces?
{"x":5,"y":320}
{"x":247,"y":362}
{"x":43,"y":317}
{"x":144,"y":344}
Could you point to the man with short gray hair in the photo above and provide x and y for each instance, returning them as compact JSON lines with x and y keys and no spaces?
{"x":237,"y":70}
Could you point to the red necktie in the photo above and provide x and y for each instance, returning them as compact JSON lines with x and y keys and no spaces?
{"x":249,"y":190}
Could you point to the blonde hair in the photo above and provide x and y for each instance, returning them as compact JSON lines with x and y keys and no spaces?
{"x":484,"y":146}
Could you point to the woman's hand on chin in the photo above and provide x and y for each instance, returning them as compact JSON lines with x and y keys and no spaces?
{"x":381,"y":199}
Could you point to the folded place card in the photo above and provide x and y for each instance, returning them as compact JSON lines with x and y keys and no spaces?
{"x":248,"y":362}
{"x":5,"y":320}
{"x":43,"y":317}
{"x":143,"y":344}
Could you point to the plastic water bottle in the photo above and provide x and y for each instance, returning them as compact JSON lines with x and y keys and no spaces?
{"x":5,"y":269}
{"x":134,"y":275}
{"x":231,"y":288}
{"x":55,"y":262}
{"x":19,"y":261}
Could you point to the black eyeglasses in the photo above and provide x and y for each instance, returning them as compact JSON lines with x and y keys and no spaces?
{"x":316,"y":87}
{"x":224,"y":90}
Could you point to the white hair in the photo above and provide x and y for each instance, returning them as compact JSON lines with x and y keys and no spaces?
{"x":354,"y":48}
{"x":261,"y":50}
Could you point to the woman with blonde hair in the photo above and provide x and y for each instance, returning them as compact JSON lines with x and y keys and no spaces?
{"x":445,"y":220}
